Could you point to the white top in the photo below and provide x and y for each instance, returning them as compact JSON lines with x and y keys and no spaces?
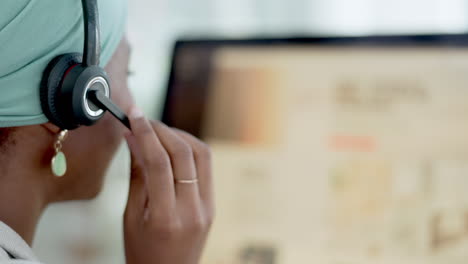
{"x":13,"y":249}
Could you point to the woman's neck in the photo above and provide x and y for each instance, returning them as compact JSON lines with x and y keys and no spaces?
{"x":21,"y":206}
{"x":25,"y":185}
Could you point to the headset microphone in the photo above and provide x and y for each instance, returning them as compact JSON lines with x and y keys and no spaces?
{"x":104,"y":102}
{"x":75,"y":90}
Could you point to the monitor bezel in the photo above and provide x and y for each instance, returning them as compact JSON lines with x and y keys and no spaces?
{"x":455,"y":41}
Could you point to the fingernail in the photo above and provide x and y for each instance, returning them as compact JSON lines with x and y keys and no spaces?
{"x":136,"y":113}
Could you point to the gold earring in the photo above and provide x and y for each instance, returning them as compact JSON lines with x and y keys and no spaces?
{"x":59,"y":161}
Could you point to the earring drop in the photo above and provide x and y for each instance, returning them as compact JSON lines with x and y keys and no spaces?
{"x":59,"y":161}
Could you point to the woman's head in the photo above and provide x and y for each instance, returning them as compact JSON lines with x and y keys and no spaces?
{"x":26,"y":137}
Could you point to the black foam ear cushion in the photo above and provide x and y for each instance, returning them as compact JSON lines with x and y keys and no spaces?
{"x":50,"y":89}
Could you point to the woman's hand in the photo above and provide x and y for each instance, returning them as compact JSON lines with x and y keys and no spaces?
{"x":170,"y":206}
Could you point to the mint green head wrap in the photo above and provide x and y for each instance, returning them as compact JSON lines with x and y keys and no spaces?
{"x":32,"y":33}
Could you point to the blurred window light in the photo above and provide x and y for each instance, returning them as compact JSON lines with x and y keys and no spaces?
{"x":330,"y":16}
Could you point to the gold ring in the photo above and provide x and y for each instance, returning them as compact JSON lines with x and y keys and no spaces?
{"x":187,"y":181}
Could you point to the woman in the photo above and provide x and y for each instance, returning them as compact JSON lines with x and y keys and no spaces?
{"x":170,"y":204}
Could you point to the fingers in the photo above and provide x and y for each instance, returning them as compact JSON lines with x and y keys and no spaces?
{"x":156,"y":163}
{"x":202,"y":156}
{"x":183,"y":163}
{"x":165,"y":156}
{"x":136,"y":194}
{"x":164,"y":220}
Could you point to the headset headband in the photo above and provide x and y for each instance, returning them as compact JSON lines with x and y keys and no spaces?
{"x":75,"y":90}
{"x":92,"y":47}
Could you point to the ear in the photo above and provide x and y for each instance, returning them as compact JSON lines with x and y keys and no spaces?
{"x":53,"y":129}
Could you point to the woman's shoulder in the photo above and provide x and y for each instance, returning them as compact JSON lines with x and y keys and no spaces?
{"x":13,"y":249}
{"x":6,"y":258}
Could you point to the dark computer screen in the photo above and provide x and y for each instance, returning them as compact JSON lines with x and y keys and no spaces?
{"x":331,"y":150}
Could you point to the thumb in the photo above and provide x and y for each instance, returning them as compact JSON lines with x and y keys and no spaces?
{"x":137,"y":191}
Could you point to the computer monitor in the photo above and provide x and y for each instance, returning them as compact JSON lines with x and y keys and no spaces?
{"x":331,"y":150}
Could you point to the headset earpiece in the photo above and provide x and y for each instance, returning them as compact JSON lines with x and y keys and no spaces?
{"x":77,"y":84}
{"x":64,"y":91}
{"x":75,"y":90}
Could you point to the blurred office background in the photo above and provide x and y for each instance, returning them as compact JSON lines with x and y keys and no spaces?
{"x":155,"y":25}
{"x":90,"y":232}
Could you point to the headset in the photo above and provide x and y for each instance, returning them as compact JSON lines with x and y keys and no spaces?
{"x":75,"y":90}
